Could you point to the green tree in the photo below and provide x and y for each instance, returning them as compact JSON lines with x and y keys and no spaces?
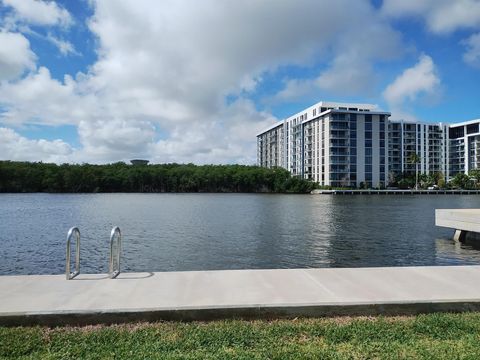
{"x":120,"y":177}
{"x":415,"y":159}
{"x":475,"y":176}
{"x":462,"y":181}
{"x":441,"y":181}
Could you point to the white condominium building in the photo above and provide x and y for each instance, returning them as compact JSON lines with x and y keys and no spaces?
{"x":464,"y":147}
{"x":351,"y":145}
{"x":331,"y":143}
{"x":426,"y":140}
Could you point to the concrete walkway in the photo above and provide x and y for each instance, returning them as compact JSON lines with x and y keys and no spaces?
{"x":458,"y":219}
{"x":52,"y":300}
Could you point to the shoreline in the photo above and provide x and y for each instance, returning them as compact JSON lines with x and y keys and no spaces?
{"x":394,"y":192}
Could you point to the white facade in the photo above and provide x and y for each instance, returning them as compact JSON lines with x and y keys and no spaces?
{"x":350,"y":145}
{"x":428,"y":141}
{"x":464,"y":147}
{"x":331,"y":143}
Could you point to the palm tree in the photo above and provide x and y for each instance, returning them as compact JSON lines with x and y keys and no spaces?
{"x":415,"y":159}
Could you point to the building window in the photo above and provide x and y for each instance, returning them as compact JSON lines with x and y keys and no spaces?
{"x":472,"y":128}
{"x":456,"y":132}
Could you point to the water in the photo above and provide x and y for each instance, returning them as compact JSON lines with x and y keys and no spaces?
{"x":174,"y":232}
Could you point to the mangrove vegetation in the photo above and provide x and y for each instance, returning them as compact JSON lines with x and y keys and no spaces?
{"x":121,"y":177}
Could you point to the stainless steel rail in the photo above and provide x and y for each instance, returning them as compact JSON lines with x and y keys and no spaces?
{"x":113,"y":270}
{"x":70,"y":275}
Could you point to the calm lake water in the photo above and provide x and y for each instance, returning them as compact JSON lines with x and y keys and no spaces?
{"x":173,"y":232}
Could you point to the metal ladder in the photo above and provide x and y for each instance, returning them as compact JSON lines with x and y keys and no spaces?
{"x":115,"y":251}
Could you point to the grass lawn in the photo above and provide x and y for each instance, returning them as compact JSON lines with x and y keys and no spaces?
{"x":434,"y":336}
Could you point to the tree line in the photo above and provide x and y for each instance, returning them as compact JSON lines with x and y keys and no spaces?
{"x":461,"y":180}
{"x":121,"y":177}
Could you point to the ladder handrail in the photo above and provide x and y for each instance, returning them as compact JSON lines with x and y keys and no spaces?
{"x":70,"y":275}
{"x":115,"y":234}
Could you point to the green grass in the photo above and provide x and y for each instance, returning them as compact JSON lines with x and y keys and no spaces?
{"x":435,"y":336}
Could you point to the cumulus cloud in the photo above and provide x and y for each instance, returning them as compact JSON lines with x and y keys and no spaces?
{"x":38,"y":12}
{"x":164,"y":70}
{"x":420,"y":80}
{"x":472,"y":55}
{"x":15,"y":55}
{"x":171,"y":67}
{"x":441,"y":16}
{"x":13,"y":146}
{"x":231,"y":131}
{"x":40,"y":99}
{"x":356,"y":49}
{"x":112,"y":139}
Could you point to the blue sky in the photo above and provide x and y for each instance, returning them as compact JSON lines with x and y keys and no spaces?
{"x":179,"y":81}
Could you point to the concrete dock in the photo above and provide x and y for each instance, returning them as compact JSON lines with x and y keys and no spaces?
{"x":393,"y":192}
{"x":463,"y":221}
{"x":203,"y":295}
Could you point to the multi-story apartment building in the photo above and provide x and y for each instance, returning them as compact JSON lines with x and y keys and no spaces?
{"x":464,"y":147}
{"x":425,"y":140}
{"x":270,"y":147}
{"x":331,"y":143}
{"x":341,"y":144}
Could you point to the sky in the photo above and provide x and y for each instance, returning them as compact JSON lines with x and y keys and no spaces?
{"x":94,"y":81}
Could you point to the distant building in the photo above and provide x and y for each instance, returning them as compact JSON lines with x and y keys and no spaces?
{"x":464,"y":147}
{"x":331,"y":143}
{"x":340,"y":144}
{"x":139,"y":162}
{"x":428,"y":141}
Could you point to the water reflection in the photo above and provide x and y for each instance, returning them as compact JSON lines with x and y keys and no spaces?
{"x":456,"y":253}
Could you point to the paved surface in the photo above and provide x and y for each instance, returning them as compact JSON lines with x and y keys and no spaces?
{"x":458,"y":219}
{"x":50,"y":299}
{"x":394,"y":192}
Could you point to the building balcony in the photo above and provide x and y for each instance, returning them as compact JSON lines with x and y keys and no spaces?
{"x":339,"y":153}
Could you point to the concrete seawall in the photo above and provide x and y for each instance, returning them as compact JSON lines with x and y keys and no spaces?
{"x":394,"y":192}
{"x":204,"y":295}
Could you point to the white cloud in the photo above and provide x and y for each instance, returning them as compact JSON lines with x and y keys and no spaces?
{"x":420,"y":80}
{"x":164,"y":70}
{"x":348,"y":76}
{"x":16,"y":147}
{"x":441,"y":16}
{"x":356,"y":49}
{"x":472,"y":55}
{"x":38,"y":12}
{"x":114,"y":139}
{"x":65,"y":47}
{"x":39,"y":99}
{"x":15,"y":55}
{"x":231,"y":131}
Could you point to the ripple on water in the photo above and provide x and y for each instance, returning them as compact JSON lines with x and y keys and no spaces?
{"x":176,"y":232}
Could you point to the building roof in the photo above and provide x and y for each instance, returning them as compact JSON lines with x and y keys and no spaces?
{"x":271,"y":127}
{"x":326,"y":104}
{"x":465,"y":123}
